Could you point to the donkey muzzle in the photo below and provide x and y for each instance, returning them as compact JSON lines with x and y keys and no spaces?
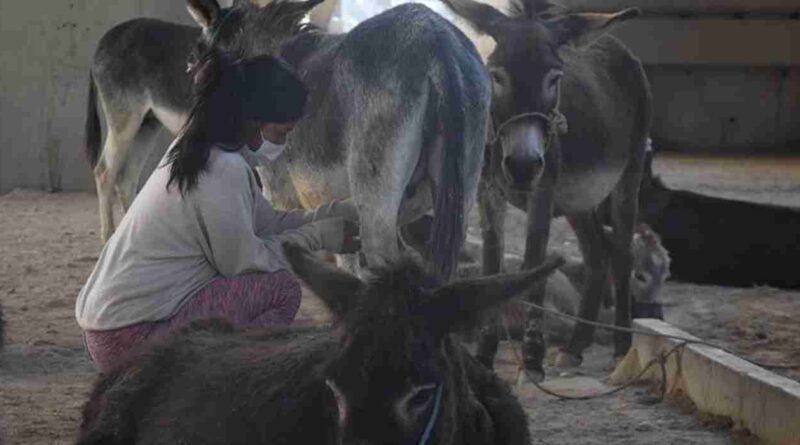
{"x":524,"y":146}
{"x":523,"y":172}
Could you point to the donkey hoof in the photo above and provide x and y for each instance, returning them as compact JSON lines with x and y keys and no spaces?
{"x":525,"y":376}
{"x":567,"y":360}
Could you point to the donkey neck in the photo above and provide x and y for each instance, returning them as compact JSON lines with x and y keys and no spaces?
{"x":300,"y":48}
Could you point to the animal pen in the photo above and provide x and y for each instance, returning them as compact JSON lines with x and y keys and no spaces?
{"x":725,"y":135}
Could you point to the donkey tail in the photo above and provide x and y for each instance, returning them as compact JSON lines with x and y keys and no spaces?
{"x":447,"y":234}
{"x":2,"y":329}
{"x":92,"y":130}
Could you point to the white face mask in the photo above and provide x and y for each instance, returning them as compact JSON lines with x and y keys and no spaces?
{"x":269,"y":150}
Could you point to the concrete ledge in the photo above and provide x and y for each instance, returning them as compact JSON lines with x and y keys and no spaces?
{"x":718,"y":383}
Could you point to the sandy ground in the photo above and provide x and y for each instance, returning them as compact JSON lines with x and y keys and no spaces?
{"x":49,"y":242}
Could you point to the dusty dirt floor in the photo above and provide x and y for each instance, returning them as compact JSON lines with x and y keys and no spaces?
{"x":49,"y":243}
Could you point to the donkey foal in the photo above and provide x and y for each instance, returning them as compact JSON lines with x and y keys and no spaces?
{"x":391,"y":374}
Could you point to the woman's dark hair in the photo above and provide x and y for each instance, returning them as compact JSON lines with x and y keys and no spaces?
{"x":228,"y":94}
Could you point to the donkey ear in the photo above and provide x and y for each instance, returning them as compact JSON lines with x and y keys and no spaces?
{"x":529,"y":9}
{"x":294,"y":10}
{"x":204,"y":12}
{"x":484,"y":18}
{"x":462,"y":302}
{"x":584,"y":28}
{"x":338,"y":289}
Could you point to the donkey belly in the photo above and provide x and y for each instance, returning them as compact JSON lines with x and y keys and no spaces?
{"x":582,"y":191}
{"x":315,"y":187}
{"x":171,"y":119}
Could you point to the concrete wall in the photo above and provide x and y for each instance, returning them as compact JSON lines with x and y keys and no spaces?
{"x":725,"y":74}
{"x":722,"y":83}
{"x":45,"y":51}
{"x":726,"y":109}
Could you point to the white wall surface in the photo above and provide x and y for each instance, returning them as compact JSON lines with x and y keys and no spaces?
{"x":45,"y":52}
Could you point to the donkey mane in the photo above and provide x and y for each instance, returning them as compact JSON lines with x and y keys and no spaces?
{"x":531,"y":9}
{"x":281,"y":17}
{"x":395,"y":294}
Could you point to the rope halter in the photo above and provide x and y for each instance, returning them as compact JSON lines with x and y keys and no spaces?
{"x":555,"y":122}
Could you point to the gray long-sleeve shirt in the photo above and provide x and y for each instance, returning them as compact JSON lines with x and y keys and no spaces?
{"x":168,"y":246}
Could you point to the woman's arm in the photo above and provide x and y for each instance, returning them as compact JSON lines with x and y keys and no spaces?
{"x":227,"y":214}
{"x":269,"y":221}
{"x":225,"y":207}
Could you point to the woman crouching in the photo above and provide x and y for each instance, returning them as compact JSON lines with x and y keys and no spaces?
{"x":200,"y":241}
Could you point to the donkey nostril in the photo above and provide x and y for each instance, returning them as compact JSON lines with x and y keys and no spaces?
{"x":523,"y":170}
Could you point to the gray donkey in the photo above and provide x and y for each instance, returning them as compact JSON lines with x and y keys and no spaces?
{"x":397,"y":114}
{"x":549,"y":70}
{"x":139,"y":80}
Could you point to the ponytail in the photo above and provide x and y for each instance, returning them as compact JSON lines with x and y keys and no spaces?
{"x":214,"y":120}
{"x":228,"y":93}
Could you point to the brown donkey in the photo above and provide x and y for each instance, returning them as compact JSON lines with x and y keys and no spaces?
{"x":550,"y":70}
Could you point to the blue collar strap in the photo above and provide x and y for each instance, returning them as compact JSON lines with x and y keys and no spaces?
{"x":437,"y":407}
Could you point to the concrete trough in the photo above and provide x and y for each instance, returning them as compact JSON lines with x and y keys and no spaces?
{"x":718,"y":383}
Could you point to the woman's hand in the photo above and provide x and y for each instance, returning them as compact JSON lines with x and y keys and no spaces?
{"x":339,"y":235}
{"x":351,"y":239}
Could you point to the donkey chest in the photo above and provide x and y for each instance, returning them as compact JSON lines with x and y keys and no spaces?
{"x":577,"y":190}
{"x":584,"y":190}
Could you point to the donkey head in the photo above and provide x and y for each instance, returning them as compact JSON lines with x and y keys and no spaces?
{"x":396,"y":378}
{"x":526,"y":71}
{"x":246,"y":29}
{"x":651,"y":263}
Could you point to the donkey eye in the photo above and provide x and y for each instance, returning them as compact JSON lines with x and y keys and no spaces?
{"x":418,"y":398}
{"x":413,"y":404}
{"x":499,"y":78}
{"x":421,"y":397}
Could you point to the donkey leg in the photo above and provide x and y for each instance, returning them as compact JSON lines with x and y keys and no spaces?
{"x":378,"y":195}
{"x":624,"y":212}
{"x":594,"y":248}
{"x":122,"y":128}
{"x":492,"y":211}
{"x":622,"y":264}
{"x":104,"y":198}
{"x":378,"y":219}
{"x":540,"y":211}
{"x":142,"y":145}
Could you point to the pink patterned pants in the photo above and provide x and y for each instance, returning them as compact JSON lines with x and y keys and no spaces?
{"x":245,"y":301}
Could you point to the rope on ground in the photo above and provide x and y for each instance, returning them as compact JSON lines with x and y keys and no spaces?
{"x":653,"y":334}
{"x":661,"y":360}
